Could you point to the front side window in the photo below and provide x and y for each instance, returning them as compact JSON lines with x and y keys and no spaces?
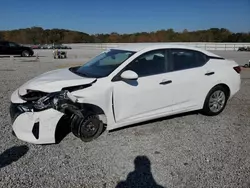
{"x":182,"y":59}
{"x":150,"y":63}
{"x":104,"y":64}
{"x":12,"y":44}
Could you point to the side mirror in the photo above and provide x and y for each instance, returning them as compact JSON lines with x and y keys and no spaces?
{"x":129,"y":75}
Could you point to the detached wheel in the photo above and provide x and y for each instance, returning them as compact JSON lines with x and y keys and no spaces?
{"x":216,"y":101}
{"x":89,"y":128}
{"x":25,"y":53}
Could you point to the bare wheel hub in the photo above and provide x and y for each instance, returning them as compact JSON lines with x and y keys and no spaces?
{"x":89,"y":128}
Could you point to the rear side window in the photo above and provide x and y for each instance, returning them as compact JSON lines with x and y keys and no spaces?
{"x":201,"y":58}
{"x":182,"y":59}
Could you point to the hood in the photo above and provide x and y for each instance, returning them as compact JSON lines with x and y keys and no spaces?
{"x":53,"y":81}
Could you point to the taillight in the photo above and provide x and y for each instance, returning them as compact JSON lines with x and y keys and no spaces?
{"x":237,"y":69}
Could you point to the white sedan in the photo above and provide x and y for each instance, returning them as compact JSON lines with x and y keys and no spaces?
{"x":120,"y":87}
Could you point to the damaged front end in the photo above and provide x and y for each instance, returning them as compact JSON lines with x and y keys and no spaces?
{"x":62,"y":101}
{"x":45,"y":109}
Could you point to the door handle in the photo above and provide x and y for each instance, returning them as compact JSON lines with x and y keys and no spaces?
{"x":166,"y":82}
{"x":209,"y":73}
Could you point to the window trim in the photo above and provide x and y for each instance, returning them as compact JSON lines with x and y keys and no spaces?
{"x":117,"y":77}
{"x":214,"y":57}
{"x":189,"y":50}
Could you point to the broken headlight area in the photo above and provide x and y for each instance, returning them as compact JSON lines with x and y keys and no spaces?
{"x":37,"y":100}
{"x":55,"y":100}
{"x":60,"y":100}
{"x":33,"y":95}
{"x":46,"y":101}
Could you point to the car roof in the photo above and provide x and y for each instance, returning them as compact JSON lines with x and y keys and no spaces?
{"x":139,"y":47}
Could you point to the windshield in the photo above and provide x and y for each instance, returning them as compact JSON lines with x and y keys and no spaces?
{"x":103,"y":64}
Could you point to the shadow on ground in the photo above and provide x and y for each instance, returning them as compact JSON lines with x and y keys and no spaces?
{"x":63,"y":129}
{"x":141,"y":177}
{"x":12,"y":155}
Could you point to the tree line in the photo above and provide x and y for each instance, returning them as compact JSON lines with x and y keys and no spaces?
{"x":38,"y":35}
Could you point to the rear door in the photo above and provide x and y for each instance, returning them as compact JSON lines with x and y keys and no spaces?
{"x":190,"y":77}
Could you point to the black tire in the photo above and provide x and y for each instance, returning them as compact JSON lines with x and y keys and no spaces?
{"x":206,"y":109}
{"x":88,"y":128}
{"x":25,"y":53}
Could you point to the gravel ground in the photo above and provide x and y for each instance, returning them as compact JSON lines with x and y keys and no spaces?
{"x":186,"y":151}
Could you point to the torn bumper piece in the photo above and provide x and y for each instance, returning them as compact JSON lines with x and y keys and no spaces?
{"x":34,"y":127}
{"x":36,"y":120}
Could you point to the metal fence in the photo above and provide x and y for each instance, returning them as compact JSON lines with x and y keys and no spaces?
{"x":204,"y":45}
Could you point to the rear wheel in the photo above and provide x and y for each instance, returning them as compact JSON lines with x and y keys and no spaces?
{"x":216,"y":101}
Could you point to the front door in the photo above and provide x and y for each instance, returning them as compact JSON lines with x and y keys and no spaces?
{"x":147,"y":96}
{"x":4,"y":48}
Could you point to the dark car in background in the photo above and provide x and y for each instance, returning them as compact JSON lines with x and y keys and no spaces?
{"x":12,"y":48}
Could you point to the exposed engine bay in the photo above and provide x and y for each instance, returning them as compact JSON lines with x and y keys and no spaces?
{"x":57,"y":100}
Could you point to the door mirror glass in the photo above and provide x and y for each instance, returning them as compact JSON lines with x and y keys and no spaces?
{"x":129,"y":75}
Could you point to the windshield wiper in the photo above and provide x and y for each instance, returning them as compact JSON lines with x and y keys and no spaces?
{"x":82,"y":74}
{"x":74,"y":70}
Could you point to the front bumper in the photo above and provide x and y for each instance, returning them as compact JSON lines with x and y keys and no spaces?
{"x":34,"y":127}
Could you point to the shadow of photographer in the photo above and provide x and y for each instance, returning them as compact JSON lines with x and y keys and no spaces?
{"x":141,"y":176}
